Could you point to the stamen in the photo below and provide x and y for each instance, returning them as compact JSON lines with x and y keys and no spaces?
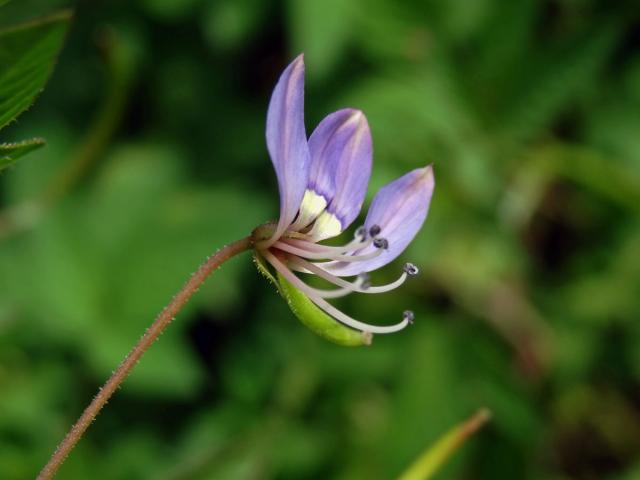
{"x":353,"y":323}
{"x":408,"y":316}
{"x":364,"y":288}
{"x":350,"y":247}
{"x":375,"y":230}
{"x":381,"y":243}
{"x":326,"y":306}
{"x":315,"y":255}
{"x":337,"y":293}
{"x":361,"y":233}
{"x":365,"y":281}
{"x":342,"y":292}
{"x":410,"y":269}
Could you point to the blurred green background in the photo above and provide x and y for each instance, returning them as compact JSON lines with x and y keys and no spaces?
{"x":529,"y":297}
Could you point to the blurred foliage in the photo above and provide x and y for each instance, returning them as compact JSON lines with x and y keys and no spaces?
{"x":530,"y":293}
{"x":431,"y":460}
{"x":27,"y":54}
{"x":10,"y":152}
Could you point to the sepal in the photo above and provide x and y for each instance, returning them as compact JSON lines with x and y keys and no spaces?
{"x":309,"y":314}
{"x":319,"y":322}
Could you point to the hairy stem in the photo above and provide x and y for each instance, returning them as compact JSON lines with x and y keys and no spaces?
{"x":150,"y":336}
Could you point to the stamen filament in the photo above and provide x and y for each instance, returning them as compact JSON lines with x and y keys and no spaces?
{"x":350,"y":247}
{"x":321,"y":272}
{"x":340,"y":292}
{"x":353,"y":323}
{"x":326,"y":306}
{"x":326,"y":256}
{"x":337,"y":293}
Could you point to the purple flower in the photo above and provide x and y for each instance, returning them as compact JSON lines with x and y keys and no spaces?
{"x":322,"y":183}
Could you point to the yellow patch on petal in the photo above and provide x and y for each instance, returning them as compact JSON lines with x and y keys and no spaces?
{"x":327,"y":225}
{"x":312,"y":206}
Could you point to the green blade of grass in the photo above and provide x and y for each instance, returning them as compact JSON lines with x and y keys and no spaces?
{"x":436,"y":455}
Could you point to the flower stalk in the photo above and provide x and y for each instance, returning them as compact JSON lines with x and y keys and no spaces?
{"x":150,"y":336}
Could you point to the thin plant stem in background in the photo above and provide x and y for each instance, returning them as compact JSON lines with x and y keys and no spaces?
{"x":150,"y":336}
{"x":119,"y":62}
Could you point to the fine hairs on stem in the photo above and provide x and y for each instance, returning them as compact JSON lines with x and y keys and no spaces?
{"x":150,"y":336}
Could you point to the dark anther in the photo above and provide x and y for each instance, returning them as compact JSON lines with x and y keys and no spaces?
{"x":408,"y":316}
{"x":381,"y":243}
{"x":361,"y":233}
{"x":365,"y":281}
{"x":374,"y":231}
{"x":410,"y":269}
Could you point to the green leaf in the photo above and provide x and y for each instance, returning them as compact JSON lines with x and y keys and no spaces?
{"x":10,"y":152}
{"x":27,"y":56}
{"x":436,"y":455}
{"x":316,"y":320}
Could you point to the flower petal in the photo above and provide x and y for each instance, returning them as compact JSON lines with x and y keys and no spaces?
{"x":341,"y":154}
{"x":287,"y":142}
{"x":399,"y":209}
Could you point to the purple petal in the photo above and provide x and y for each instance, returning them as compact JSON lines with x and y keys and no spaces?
{"x":287,"y":141}
{"x":399,"y":209}
{"x":341,"y":153}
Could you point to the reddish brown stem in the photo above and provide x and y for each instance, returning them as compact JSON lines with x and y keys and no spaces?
{"x":150,"y":336}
